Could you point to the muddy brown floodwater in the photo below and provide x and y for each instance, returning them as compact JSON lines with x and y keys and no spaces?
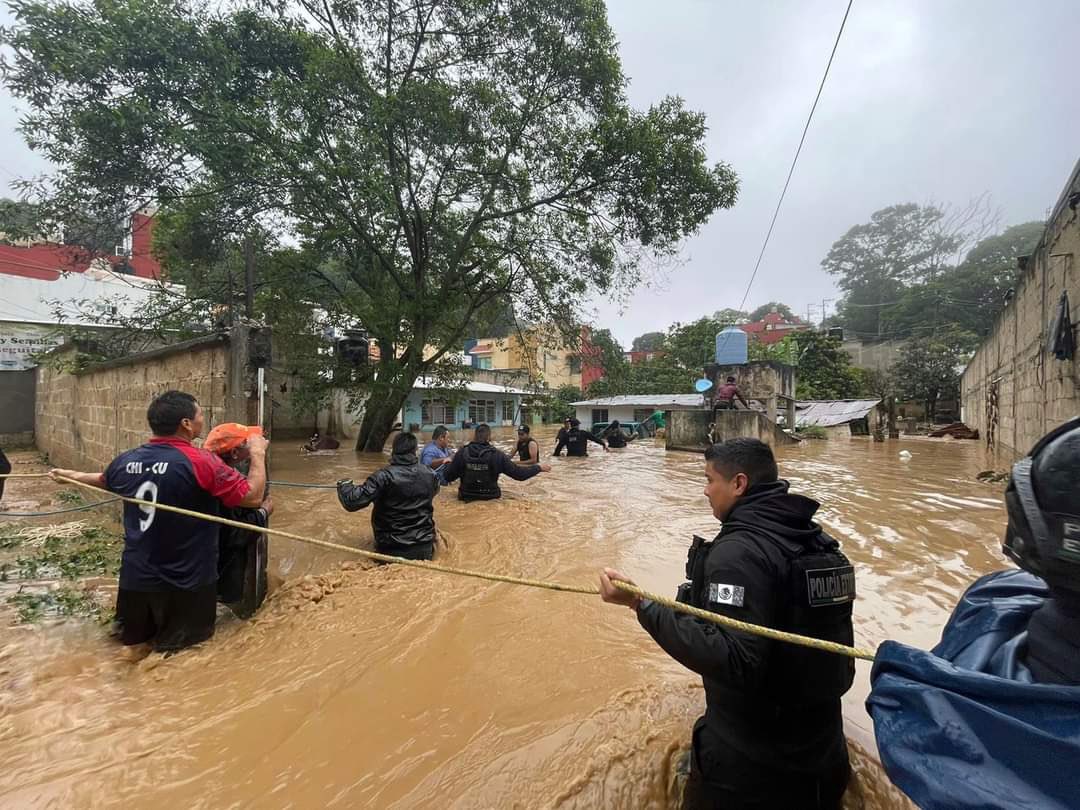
{"x":395,"y":688}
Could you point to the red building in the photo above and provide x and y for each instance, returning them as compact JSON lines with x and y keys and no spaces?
{"x":47,"y":261}
{"x":635,"y":358}
{"x":773,"y":328}
{"x":592,"y":364}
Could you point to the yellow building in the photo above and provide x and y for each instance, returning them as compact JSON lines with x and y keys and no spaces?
{"x":539,"y":353}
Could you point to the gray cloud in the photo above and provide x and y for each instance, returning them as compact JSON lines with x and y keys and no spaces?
{"x":927,"y":100}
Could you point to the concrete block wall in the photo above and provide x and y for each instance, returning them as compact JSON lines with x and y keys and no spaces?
{"x":85,"y":419}
{"x":1035,"y":391}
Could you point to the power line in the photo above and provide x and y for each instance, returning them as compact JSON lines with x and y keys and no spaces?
{"x":796,"y":159}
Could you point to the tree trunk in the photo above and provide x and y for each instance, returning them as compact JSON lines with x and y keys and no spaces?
{"x":383,"y":406}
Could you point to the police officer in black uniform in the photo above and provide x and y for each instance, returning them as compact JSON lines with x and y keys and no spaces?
{"x":479,"y":464}
{"x":576,"y":441}
{"x":1043,"y":538}
{"x":772,"y":735}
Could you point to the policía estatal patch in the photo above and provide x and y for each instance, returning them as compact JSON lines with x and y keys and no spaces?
{"x":720,"y":594}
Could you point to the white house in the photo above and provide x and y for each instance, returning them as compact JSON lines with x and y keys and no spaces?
{"x":497,"y":405}
{"x":635,"y":408}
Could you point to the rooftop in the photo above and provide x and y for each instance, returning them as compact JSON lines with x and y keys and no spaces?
{"x":646,"y":401}
{"x":474,"y":387}
{"x":832,"y":412}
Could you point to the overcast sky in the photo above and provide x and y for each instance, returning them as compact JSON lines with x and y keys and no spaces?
{"x":927,"y":100}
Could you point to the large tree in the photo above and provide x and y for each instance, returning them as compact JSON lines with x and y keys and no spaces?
{"x":649,"y":342}
{"x":877,"y":260}
{"x":692,"y":346}
{"x":438,"y":158}
{"x":781,"y":309}
{"x":929,"y":368}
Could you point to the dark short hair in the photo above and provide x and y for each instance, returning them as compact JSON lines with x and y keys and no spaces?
{"x":404,"y":443}
{"x":439,"y":432}
{"x":483,"y":432}
{"x":731,"y":379}
{"x":575,"y":423}
{"x":752,"y":457}
{"x":168,"y":410}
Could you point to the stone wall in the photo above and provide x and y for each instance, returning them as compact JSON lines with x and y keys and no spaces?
{"x":85,"y":418}
{"x":689,"y":430}
{"x":1014,"y":390}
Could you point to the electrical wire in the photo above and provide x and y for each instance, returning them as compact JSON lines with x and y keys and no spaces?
{"x":794,"y":162}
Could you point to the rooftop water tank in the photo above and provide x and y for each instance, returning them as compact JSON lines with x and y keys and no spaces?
{"x":731,"y":347}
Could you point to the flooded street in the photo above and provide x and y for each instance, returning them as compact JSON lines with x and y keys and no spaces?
{"x":391,"y":687}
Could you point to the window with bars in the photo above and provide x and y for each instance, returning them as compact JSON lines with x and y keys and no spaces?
{"x":599,"y":415}
{"x":436,"y":412}
{"x":482,"y":410}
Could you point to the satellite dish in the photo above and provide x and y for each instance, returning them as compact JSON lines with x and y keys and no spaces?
{"x":703,"y":385}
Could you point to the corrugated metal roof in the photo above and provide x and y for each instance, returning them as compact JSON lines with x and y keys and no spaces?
{"x":646,"y":401}
{"x":829,"y":413}
{"x":474,"y":387}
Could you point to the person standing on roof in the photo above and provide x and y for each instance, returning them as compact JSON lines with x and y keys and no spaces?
{"x":577,"y":441}
{"x":479,"y":464}
{"x":727,"y":395}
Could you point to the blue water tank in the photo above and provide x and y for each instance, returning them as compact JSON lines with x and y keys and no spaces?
{"x":731,"y":347}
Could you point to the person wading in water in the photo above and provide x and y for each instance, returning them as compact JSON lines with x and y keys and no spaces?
{"x":403,"y":517}
{"x":772,"y":737}
{"x":576,"y":441}
{"x":527,"y":449}
{"x":479,"y":464}
{"x":168,"y":571}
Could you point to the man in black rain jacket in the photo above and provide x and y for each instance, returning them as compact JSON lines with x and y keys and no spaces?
{"x":772,"y":734}
{"x":576,"y":441}
{"x":479,"y":464}
{"x":403,"y":517}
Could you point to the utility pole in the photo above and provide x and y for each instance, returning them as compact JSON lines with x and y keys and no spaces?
{"x":823,"y":311}
{"x":249,"y":277}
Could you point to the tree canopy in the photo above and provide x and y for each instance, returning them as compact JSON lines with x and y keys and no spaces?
{"x":431,"y":159}
{"x":781,"y":309}
{"x":649,"y":342}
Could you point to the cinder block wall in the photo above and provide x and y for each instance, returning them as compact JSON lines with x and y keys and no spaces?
{"x":85,"y":419}
{"x":1035,"y":391}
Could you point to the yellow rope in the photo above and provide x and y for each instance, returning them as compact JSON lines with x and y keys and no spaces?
{"x":25,"y":475}
{"x":715,"y":618}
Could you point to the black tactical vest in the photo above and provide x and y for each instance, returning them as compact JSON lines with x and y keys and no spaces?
{"x":479,"y":481}
{"x":820,"y":592}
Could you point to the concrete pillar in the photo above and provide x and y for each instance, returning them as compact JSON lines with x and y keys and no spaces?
{"x":249,"y":350}
{"x":770,"y":408}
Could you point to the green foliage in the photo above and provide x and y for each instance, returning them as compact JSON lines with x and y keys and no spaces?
{"x":813,"y":432}
{"x":70,"y":497}
{"x":877,"y":260}
{"x":434,"y":161}
{"x":612,"y":360}
{"x":692,"y":345}
{"x":728,"y":316}
{"x":825,"y":370}
{"x":649,"y":342}
{"x":559,"y":406}
{"x":64,"y":600}
{"x":785,"y":351}
{"x":782,"y":309}
{"x":54,"y":553}
{"x":19,"y":220}
{"x":929,"y":368}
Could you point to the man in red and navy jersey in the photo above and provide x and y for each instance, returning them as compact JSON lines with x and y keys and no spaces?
{"x":168,"y":571}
